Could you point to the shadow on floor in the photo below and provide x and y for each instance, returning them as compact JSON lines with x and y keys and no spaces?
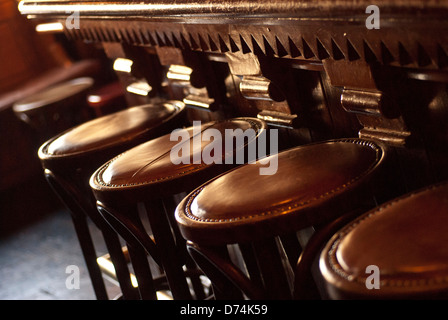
{"x":34,"y":261}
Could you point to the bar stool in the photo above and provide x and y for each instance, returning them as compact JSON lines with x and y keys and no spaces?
{"x":148,"y":175}
{"x":71,"y":157}
{"x":57,"y":108}
{"x":246,"y":230}
{"x":395,"y":251}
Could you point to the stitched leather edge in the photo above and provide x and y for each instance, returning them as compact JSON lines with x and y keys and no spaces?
{"x":43,"y":150}
{"x":339,"y":271}
{"x":289,"y":207}
{"x":101,"y":182}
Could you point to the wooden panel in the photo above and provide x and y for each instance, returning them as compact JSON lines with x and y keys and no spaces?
{"x":23,"y":53}
{"x":13,"y":65}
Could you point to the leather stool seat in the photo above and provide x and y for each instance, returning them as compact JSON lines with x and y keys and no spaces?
{"x":314,"y":184}
{"x":115,"y":129}
{"x":56,"y":108}
{"x":70,"y":158}
{"x":147,"y":174}
{"x":405,"y":239}
{"x":148,"y":168}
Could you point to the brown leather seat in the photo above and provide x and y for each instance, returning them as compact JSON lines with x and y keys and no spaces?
{"x":147,"y":174}
{"x":148,"y":168}
{"x":314,"y":184}
{"x":71,"y":157}
{"x":105,"y":137}
{"x":57,"y":108}
{"x":405,"y":239}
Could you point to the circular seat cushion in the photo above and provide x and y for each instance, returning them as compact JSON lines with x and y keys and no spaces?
{"x":53,"y":94}
{"x":110,"y":130}
{"x":403,"y":241}
{"x":242,"y":205}
{"x":151,"y":165}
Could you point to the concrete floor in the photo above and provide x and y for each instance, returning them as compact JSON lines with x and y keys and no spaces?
{"x":34,"y":261}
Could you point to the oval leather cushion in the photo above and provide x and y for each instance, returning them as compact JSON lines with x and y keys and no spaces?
{"x":405,"y":238}
{"x":150,"y":162}
{"x":242,"y":204}
{"x":53,"y":94}
{"x":304,"y":174}
{"x":111,"y":129}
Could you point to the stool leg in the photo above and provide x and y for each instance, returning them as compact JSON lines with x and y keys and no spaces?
{"x":120,"y":264}
{"x":196,"y":282}
{"x":115,"y":251}
{"x":89,"y":253}
{"x":126,"y":222}
{"x":292,"y":247}
{"x":139,"y":259}
{"x":198,"y":288}
{"x":304,"y":284}
{"x":83,"y":233}
{"x":228,"y":282}
{"x":251,"y":263}
{"x":170,"y":258}
{"x":272,"y":270}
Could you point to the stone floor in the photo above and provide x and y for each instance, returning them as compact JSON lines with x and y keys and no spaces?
{"x":34,"y":261}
